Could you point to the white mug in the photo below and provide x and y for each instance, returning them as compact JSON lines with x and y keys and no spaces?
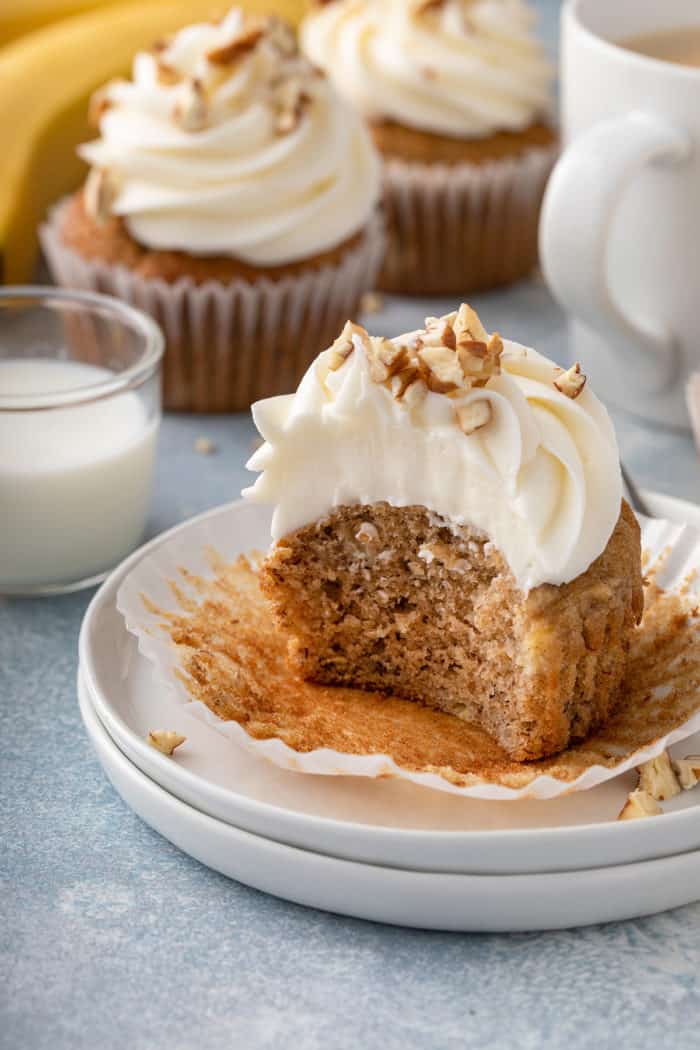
{"x":620,"y":226}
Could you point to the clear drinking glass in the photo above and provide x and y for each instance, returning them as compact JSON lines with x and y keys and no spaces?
{"x":80,"y":408}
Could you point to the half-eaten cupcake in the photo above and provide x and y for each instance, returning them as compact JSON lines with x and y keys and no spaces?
{"x":449,"y":527}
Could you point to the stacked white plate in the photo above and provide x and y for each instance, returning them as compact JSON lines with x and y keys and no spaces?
{"x":378,"y":849}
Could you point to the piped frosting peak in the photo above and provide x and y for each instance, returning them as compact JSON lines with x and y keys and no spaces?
{"x":227,"y":141}
{"x":462,"y":68}
{"x":480,"y":430}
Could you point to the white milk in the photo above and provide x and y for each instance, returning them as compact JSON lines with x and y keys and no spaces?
{"x":75,"y":482}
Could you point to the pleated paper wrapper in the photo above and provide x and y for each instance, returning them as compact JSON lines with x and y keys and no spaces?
{"x":457,"y":229}
{"x":194,"y":605}
{"x":228,"y":345}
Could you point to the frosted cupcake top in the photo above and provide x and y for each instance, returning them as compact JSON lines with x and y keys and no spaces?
{"x":479,"y":430}
{"x":462,"y":68}
{"x":226,"y":141}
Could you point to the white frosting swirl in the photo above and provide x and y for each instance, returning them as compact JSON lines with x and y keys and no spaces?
{"x":462,"y":68}
{"x":542,"y":479}
{"x":238,"y":186}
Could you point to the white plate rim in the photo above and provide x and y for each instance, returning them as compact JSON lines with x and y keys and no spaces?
{"x":393,"y":890}
{"x":581,"y":836}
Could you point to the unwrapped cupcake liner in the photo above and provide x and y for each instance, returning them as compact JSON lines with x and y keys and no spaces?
{"x":455,"y":229}
{"x":173,"y":576}
{"x":228,"y":345}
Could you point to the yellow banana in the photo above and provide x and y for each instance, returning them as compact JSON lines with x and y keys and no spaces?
{"x":24,"y":16}
{"x":46,"y":79}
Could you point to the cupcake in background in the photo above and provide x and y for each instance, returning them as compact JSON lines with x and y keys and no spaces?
{"x":457,"y":94}
{"x":234,"y":196}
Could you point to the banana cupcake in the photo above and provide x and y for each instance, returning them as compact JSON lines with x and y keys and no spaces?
{"x":233,"y":195}
{"x":457,"y":96}
{"x":449,"y":527}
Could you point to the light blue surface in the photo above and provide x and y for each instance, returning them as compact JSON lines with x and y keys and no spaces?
{"x":110,"y":939}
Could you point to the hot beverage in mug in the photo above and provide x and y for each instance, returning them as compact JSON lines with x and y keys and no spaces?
{"x":672,"y":45}
{"x":620,"y":227}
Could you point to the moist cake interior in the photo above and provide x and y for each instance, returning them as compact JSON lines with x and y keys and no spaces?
{"x":399,"y":600}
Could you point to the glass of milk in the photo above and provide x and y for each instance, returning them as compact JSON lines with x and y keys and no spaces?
{"x":79,"y":416}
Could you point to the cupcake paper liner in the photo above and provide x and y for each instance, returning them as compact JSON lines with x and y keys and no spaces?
{"x":187,"y":594}
{"x":228,"y":345}
{"x":455,"y":229}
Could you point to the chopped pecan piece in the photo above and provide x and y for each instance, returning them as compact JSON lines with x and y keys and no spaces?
{"x":204,"y":446}
{"x":191,"y":110}
{"x":443,"y":373}
{"x":688,"y":771}
{"x":167,"y":75}
{"x":371,"y":303}
{"x":438,"y":332}
{"x":639,"y":804}
{"x":343,"y":346}
{"x":281,"y":36}
{"x":571,"y":382}
{"x":424,"y":7}
{"x":241,"y":43}
{"x":99,"y":195}
{"x":165,"y":740}
{"x":408,"y":385}
{"x":480,"y":360}
{"x":474,"y":415}
{"x":657,"y":778}
{"x":467,"y":325}
{"x":385,"y":358}
{"x":291,"y":100}
{"x":414,"y":393}
{"x":100,"y":102}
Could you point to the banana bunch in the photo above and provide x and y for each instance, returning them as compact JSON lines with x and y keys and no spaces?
{"x":24,"y":16}
{"x":46,"y":79}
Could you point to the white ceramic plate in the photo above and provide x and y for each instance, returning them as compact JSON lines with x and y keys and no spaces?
{"x":407,"y":898}
{"x":373,"y":821}
{"x":241,"y":527}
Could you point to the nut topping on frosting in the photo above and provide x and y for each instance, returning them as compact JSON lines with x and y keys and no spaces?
{"x":100,"y":192}
{"x":167,"y":75}
{"x":499,"y":448}
{"x":242,"y":42}
{"x":452,"y":355}
{"x":344,"y":346}
{"x":571,"y":382}
{"x":191,"y":111}
{"x":99,"y":103}
{"x":424,"y":7}
{"x":434,"y":65}
{"x":291,"y":101}
{"x":385,"y":358}
{"x":438,"y":332}
{"x":443,"y":373}
{"x":281,"y":36}
{"x":409,"y":387}
{"x":228,"y":141}
{"x":474,"y":416}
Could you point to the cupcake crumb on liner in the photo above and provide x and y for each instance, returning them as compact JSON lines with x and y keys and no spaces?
{"x":228,"y":345}
{"x":195,"y":606}
{"x":456,"y":229}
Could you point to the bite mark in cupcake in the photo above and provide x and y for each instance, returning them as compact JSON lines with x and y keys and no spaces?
{"x":467,"y":547}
